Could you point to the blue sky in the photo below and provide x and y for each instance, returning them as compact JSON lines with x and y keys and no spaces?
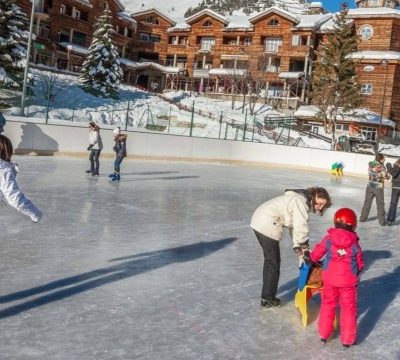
{"x":334,"y":5}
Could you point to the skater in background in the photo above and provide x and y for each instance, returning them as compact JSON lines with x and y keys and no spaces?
{"x":9,"y":189}
{"x":343,"y":261}
{"x":95,"y":147}
{"x":290,"y":210}
{"x":394,"y":171}
{"x":120,"y":152}
{"x":377,"y":175}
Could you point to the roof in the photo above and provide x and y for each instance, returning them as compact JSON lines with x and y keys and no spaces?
{"x":274,"y":10}
{"x":313,"y":21}
{"x":125,"y":16}
{"x":376,"y":55}
{"x":207,"y":12}
{"x":154,"y":11}
{"x":373,"y":12}
{"x":363,"y":116}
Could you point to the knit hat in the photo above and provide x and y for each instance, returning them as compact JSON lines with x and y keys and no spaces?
{"x":117,"y":131}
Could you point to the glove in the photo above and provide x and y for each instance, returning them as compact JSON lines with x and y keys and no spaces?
{"x":36,"y":218}
{"x":89,"y":147}
{"x":303,"y":254}
{"x":388,"y":166}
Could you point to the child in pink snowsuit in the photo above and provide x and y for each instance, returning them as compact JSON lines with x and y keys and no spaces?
{"x":342,"y":264}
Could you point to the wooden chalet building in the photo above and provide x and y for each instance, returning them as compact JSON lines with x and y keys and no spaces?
{"x":216,"y":54}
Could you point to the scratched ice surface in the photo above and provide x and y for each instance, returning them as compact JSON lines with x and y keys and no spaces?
{"x":163,"y":265}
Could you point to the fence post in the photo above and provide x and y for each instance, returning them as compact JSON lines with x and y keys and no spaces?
{"x":73,"y":110}
{"x":169,"y":119}
{"x":220,"y":124}
{"x":254,"y":123}
{"x":112,"y":113}
{"x":127,"y":115}
{"x":226,"y":130}
{"x":288,"y":138}
{"x":245,"y":126}
{"x":191,"y":121}
{"x":48,"y":103}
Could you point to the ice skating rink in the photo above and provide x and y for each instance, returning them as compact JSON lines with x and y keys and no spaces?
{"x":164,"y":266}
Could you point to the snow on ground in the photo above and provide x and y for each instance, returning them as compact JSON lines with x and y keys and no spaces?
{"x":138,"y":110}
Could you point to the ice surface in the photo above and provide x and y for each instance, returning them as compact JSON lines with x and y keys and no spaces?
{"x":163,"y":265}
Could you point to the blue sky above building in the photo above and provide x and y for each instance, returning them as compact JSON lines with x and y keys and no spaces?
{"x":334,"y":5}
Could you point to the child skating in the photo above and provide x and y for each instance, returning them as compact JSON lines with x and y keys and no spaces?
{"x":120,"y":152}
{"x":9,"y":189}
{"x":342,"y":263}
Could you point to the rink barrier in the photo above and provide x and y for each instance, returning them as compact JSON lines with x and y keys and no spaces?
{"x":65,"y":140}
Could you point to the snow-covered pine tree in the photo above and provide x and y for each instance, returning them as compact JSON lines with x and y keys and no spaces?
{"x":101,"y":69}
{"x":13,"y":38}
{"x":335,"y":88}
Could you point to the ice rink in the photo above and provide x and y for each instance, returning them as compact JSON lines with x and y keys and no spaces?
{"x":164,"y":266}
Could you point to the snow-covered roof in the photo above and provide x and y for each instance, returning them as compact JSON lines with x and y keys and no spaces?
{"x":376,"y":55}
{"x":238,"y":22}
{"x":313,"y":21}
{"x":357,"y":115}
{"x":75,"y":48}
{"x":180,"y":25}
{"x":148,"y":64}
{"x":125,"y":16}
{"x":291,"y":74}
{"x":274,"y":10}
{"x":154,"y":11}
{"x":206,"y":12}
{"x":219,"y":71}
{"x":373,"y":12}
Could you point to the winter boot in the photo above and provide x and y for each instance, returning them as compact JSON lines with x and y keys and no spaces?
{"x":118,"y":177}
{"x":88,"y":171}
{"x":112,"y":175}
{"x":268,"y":303}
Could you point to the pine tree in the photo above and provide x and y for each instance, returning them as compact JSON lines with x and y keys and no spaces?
{"x":13,"y":37}
{"x":102,"y":70}
{"x":335,"y":89}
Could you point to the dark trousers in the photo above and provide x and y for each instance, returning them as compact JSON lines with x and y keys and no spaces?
{"x":394,"y":200}
{"x":371,"y":193}
{"x":94,"y":161}
{"x":117,"y":163}
{"x":272,"y":265}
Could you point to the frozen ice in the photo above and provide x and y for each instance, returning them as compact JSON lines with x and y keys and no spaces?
{"x":163,"y":265}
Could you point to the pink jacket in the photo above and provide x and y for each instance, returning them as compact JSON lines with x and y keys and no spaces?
{"x":343,"y":257}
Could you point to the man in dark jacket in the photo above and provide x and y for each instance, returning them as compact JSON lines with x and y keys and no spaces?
{"x":377,"y":176}
{"x":395,"y":172}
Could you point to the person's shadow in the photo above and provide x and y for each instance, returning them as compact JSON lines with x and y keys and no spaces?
{"x":34,"y":139}
{"x":132,"y":265}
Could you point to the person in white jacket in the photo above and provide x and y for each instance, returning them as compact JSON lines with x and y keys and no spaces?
{"x":95,"y":147}
{"x":9,"y":189}
{"x":290,"y":210}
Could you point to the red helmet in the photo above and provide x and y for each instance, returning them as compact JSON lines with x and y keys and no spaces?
{"x":346,"y":216}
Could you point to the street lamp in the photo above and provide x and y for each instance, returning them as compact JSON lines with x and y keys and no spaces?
{"x":28,"y":53}
{"x":384,"y":63}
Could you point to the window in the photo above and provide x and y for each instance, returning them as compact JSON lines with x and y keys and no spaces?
{"x":154,"y":39}
{"x":151,"y":20}
{"x":374,"y":2}
{"x":366,"y":32}
{"x":247,"y":41}
{"x":273,"y":22}
{"x":63,"y":35}
{"x":274,"y":66}
{"x":144,"y":37}
{"x":173,"y":40}
{"x":299,"y":40}
{"x":207,"y":23}
{"x":79,"y":38}
{"x":62,"y":9}
{"x":366,"y":89}
{"x":206,"y":43}
{"x":342,"y":127}
{"x":76,"y":14}
{"x":272,"y":44}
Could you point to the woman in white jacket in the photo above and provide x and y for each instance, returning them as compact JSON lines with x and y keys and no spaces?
{"x":8,"y":185}
{"x":290,"y":210}
{"x":95,"y":147}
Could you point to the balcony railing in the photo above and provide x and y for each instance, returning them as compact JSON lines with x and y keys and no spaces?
{"x":272,"y":48}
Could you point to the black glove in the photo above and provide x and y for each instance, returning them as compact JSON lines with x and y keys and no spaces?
{"x":89,"y":147}
{"x":307,"y":257}
{"x":388,"y":166}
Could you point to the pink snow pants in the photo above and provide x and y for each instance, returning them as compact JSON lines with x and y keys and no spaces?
{"x":347,"y":299}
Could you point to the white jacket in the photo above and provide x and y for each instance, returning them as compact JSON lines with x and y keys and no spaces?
{"x":95,"y":140}
{"x":290,"y":210}
{"x":12,"y":194}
